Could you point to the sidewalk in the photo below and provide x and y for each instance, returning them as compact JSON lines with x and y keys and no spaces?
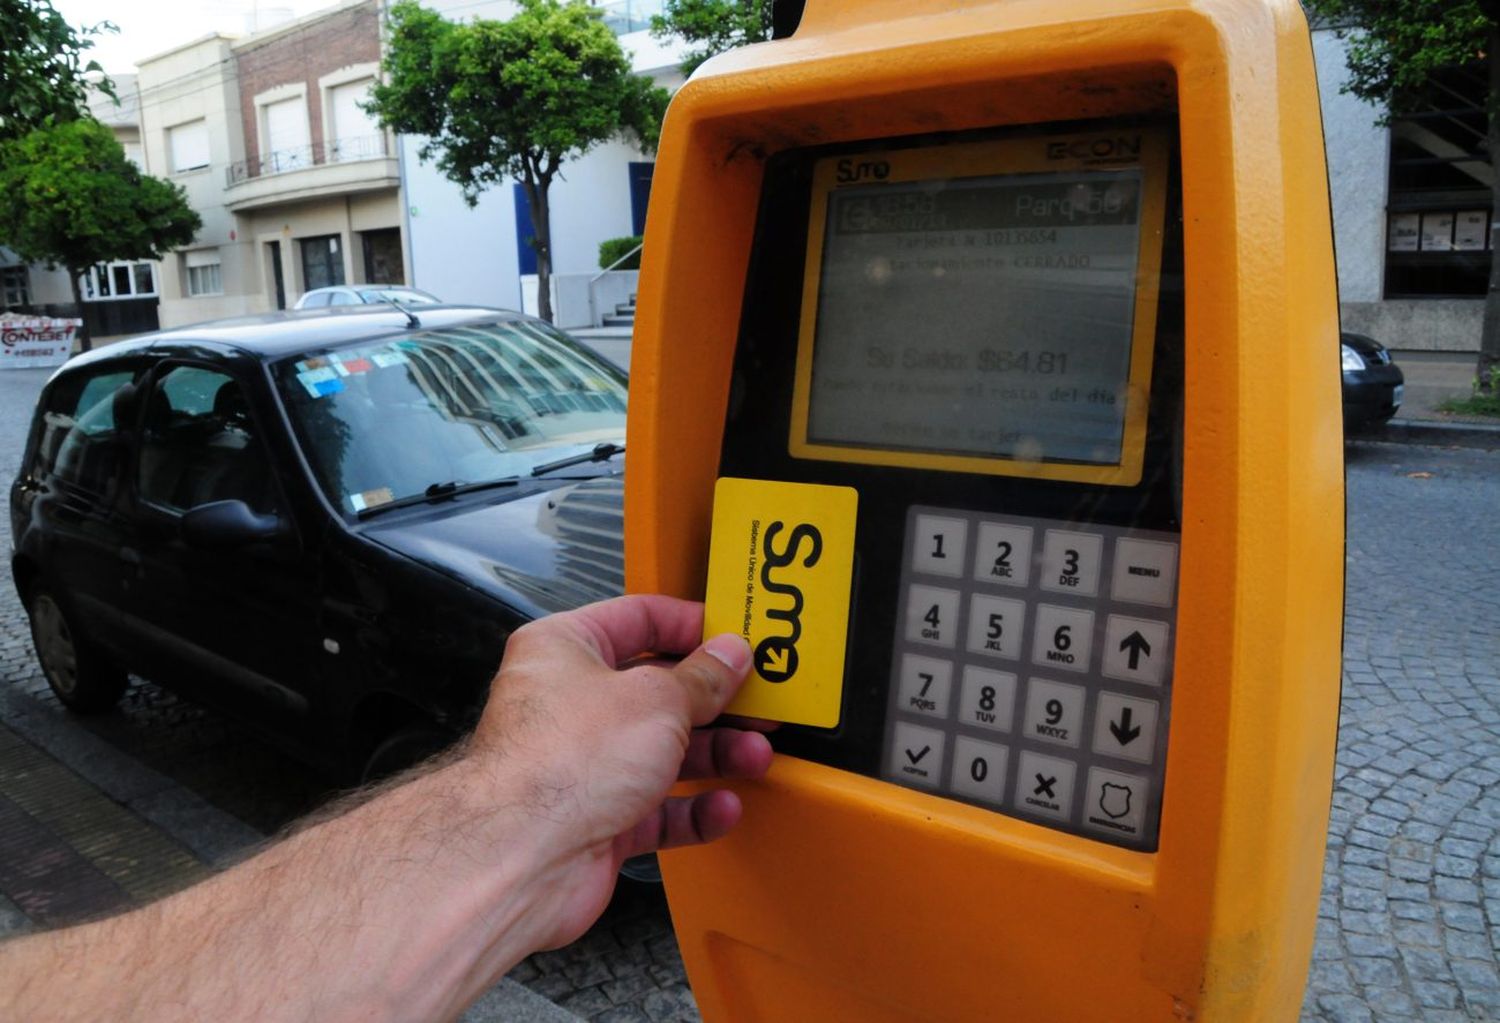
{"x":1431,"y":379}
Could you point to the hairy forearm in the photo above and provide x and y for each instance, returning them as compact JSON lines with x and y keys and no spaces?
{"x":404,"y":908}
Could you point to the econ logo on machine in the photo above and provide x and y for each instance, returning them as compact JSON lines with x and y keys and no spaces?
{"x":780,"y":564}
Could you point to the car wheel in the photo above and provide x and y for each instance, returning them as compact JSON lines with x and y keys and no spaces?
{"x":84,"y":679}
{"x":405,"y":747}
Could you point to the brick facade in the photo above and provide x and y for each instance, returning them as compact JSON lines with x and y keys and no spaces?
{"x":348,"y":35}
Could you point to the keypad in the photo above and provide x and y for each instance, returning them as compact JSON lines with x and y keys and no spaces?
{"x":1032,"y":669}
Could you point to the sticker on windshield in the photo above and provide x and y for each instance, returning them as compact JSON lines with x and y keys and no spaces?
{"x":371,"y":498}
{"x":307,"y":365}
{"x":320,"y":382}
{"x":385,"y":360}
{"x":356,"y":364}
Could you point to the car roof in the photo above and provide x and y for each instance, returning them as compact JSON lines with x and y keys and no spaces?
{"x":275,"y":335}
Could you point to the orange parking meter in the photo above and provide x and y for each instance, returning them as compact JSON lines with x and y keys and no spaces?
{"x":1046,"y":291}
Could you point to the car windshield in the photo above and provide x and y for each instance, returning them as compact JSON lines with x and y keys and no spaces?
{"x":407,"y":295}
{"x":388,"y":420}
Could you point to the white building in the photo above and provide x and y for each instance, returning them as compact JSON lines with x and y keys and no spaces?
{"x":481,"y":254}
{"x":1411,"y":202}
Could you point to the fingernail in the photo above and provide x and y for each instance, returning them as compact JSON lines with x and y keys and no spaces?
{"x":730,"y":649}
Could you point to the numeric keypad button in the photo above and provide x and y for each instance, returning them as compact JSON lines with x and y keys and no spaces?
{"x":932,"y":615}
{"x":978,"y":770}
{"x":1125,"y":727}
{"x":1002,"y":554}
{"x":1044,"y":786}
{"x":916,"y":756}
{"x":1145,"y":571}
{"x":925,"y":683}
{"x":1070,"y":562}
{"x":997,"y":626}
{"x":1063,"y":638}
{"x":987,"y":699}
{"x":940,"y":546}
{"x":1115,"y":802}
{"x":1054,"y":712}
{"x":1135,"y":649}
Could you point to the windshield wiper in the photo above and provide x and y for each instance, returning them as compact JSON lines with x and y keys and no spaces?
{"x":602,"y":452}
{"x":437,"y":492}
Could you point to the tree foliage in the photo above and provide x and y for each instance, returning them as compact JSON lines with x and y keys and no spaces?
{"x":1396,"y":47}
{"x":70,"y":197}
{"x":44,"y":66}
{"x":513,"y":99}
{"x":713,"y":26}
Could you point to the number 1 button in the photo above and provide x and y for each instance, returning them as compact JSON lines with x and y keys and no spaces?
{"x":939,"y":546}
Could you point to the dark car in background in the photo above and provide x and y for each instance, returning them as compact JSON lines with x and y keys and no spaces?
{"x":325,"y":525}
{"x":1373,"y":384}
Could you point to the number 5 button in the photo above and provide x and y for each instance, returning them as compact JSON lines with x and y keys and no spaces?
{"x":995,"y":626}
{"x":1135,"y":649}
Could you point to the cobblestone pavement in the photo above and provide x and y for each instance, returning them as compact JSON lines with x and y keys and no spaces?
{"x":1409,"y":924}
{"x":1410,"y":916}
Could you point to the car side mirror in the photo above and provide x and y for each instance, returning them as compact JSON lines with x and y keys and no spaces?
{"x":219,"y":525}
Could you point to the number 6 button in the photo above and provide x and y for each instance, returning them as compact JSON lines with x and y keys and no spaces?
{"x":1064,"y":637}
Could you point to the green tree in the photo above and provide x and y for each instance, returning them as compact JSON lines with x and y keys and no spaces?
{"x":1395,"y":47}
{"x":713,"y":26}
{"x":513,"y":99}
{"x":43,"y":72}
{"x":69,"y":197}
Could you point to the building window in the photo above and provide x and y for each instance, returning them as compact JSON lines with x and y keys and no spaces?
{"x":203,"y":272}
{"x":124,"y":279}
{"x":15,"y":287}
{"x":189,"y":146}
{"x":287,"y":145}
{"x":1441,"y":180}
{"x":355,"y":134}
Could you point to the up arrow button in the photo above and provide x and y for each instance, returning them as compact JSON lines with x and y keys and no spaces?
{"x":1135,"y":649}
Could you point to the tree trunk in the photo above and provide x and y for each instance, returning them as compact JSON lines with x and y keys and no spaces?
{"x":536,"y":185}
{"x":83,"y":330}
{"x":1489,"y":340}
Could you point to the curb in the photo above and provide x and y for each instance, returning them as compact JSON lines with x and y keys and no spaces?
{"x":1433,"y":434}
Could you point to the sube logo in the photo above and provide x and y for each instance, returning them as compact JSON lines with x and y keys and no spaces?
{"x":776,"y":655}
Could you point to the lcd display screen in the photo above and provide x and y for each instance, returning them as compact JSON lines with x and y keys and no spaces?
{"x":994,"y":316}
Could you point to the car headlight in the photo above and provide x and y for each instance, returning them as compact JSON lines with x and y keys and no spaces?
{"x":1350,"y":358}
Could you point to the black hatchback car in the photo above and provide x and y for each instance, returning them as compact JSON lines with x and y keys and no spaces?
{"x":1373,"y":385}
{"x":324,"y":524}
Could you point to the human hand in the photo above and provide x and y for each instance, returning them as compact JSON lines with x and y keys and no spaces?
{"x":601,"y":735}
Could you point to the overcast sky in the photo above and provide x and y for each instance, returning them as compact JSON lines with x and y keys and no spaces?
{"x":149,"y":27}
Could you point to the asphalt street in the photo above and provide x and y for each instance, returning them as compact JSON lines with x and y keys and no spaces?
{"x":1409,"y":924}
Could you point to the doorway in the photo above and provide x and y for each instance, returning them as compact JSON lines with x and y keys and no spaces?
{"x":273,"y":250}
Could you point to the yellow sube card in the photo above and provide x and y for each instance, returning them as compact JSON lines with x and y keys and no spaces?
{"x":780,"y":566}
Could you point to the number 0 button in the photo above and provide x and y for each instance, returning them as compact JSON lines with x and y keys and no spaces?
{"x":979,"y":770}
{"x":939,"y":547}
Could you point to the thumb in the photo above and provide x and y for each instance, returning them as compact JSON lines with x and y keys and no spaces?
{"x":712,"y":674}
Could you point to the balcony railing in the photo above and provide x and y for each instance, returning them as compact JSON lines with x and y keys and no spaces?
{"x":279,"y":161}
{"x":626,"y":16}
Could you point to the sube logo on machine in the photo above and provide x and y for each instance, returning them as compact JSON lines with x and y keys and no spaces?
{"x":780,"y":564}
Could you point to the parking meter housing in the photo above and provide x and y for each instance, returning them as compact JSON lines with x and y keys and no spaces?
{"x":845,"y":897}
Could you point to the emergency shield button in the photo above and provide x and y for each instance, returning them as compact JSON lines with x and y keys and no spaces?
{"x":1115,"y":802}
